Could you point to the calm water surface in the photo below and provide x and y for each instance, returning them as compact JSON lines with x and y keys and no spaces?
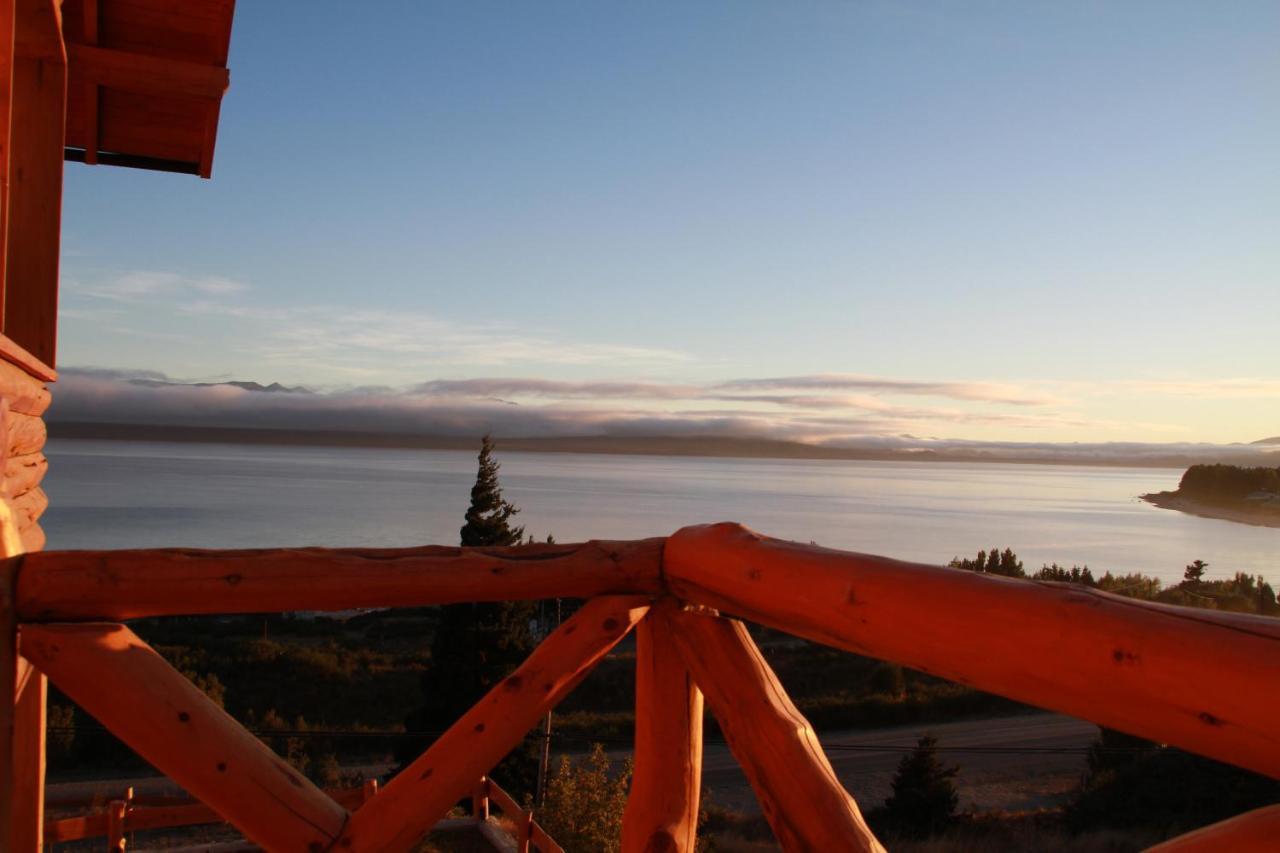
{"x":109,"y":494}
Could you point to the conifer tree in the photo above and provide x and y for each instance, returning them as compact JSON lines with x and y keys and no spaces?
{"x":476,"y":645}
{"x":924,"y":798}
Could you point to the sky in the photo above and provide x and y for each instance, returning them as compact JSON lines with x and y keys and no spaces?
{"x":826,"y":221}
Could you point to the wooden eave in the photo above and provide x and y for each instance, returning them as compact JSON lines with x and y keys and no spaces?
{"x":145,"y":80}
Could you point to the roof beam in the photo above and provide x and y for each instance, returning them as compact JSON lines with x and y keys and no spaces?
{"x":136,"y":72}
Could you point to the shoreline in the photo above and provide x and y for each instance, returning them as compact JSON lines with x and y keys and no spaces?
{"x":710,"y":447}
{"x":1253,"y":516}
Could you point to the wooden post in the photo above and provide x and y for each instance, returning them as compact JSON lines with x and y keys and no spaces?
{"x":423,"y":792}
{"x":37,"y":123}
{"x":797,"y":789}
{"x":116,"y":812}
{"x":119,"y":585}
{"x":662,"y":808}
{"x":524,"y":830}
{"x":23,"y":693}
{"x":480,"y":800}
{"x":111,"y":673}
{"x":1204,"y":681}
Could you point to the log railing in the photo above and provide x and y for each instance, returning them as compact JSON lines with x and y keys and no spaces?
{"x":1205,"y":681}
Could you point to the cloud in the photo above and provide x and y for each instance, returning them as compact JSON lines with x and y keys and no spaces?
{"x":545,"y":407}
{"x":990,"y":392}
{"x":1222,"y":389}
{"x":136,"y":285}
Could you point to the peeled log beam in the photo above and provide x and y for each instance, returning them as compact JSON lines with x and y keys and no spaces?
{"x":1204,"y":681}
{"x":794,"y":783}
{"x":33,"y":539}
{"x":24,"y":473}
{"x":26,"y":394}
{"x":1255,"y":830}
{"x":111,"y":673}
{"x":25,"y":434}
{"x":423,"y":792}
{"x":28,"y":507}
{"x":117,"y":585}
{"x":662,"y":808}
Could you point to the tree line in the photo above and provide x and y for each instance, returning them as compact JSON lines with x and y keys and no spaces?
{"x":1228,"y":482}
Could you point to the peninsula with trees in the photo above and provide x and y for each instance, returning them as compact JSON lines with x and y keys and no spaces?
{"x":1230,"y":492}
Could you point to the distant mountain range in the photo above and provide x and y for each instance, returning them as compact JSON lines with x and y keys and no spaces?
{"x":245,"y":386}
{"x":1275,"y":439}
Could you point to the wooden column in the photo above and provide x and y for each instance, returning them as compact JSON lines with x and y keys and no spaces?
{"x":6,"y":92}
{"x":38,"y":98}
{"x":111,"y":673}
{"x":423,"y":792}
{"x":23,"y":693}
{"x":662,"y":807}
{"x":794,"y":783}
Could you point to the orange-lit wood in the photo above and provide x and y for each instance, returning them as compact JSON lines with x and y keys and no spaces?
{"x":29,"y":507}
{"x":74,"y":585}
{"x":11,"y":352}
{"x":24,"y":473}
{"x":25,"y":434}
{"x":121,"y":681}
{"x":8,"y":685}
{"x":1200,"y":680}
{"x":794,"y":783}
{"x":37,"y":121}
{"x":23,"y":695}
{"x":1252,"y":832}
{"x":136,"y":72}
{"x":27,"y":832}
{"x":33,"y":538}
{"x":7,"y":13}
{"x":26,"y":394}
{"x":424,"y":791}
{"x":662,"y":807}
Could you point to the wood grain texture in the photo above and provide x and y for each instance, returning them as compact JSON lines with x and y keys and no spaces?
{"x":11,"y":352}
{"x":111,"y":673}
{"x":424,"y":791}
{"x":28,"y":507}
{"x":798,"y":791}
{"x":23,"y":699}
{"x":662,"y":807}
{"x":1205,"y":681}
{"x":25,"y":434}
{"x":79,"y":585}
{"x":1252,"y":832}
{"x":24,"y":473}
{"x":27,"y":395}
{"x":38,"y":119}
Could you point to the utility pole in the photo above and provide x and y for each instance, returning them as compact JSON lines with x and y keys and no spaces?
{"x":544,"y":761}
{"x":1261,"y":600}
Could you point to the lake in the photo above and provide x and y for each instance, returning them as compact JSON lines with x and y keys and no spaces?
{"x":114,"y":494}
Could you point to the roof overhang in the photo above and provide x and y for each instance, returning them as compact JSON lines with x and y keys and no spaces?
{"x":145,"y":80}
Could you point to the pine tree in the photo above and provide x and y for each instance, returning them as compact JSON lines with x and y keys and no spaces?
{"x":924,"y":798}
{"x":476,"y":645}
{"x":489,"y":516}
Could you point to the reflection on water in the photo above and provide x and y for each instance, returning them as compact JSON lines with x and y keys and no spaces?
{"x":138,"y":494}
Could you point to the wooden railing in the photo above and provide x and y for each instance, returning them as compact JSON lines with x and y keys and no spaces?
{"x":121,"y":816}
{"x":1205,"y":681}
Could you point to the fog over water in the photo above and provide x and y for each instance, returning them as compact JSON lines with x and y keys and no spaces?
{"x":113,"y":494}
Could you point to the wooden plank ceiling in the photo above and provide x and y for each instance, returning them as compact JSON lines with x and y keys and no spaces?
{"x":145,"y":80}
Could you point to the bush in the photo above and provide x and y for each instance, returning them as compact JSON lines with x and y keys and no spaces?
{"x":584,"y":801}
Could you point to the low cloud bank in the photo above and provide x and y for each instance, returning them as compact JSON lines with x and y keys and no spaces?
{"x":555,"y":409}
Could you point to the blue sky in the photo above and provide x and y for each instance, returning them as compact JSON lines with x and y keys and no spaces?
{"x":988,"y":221}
